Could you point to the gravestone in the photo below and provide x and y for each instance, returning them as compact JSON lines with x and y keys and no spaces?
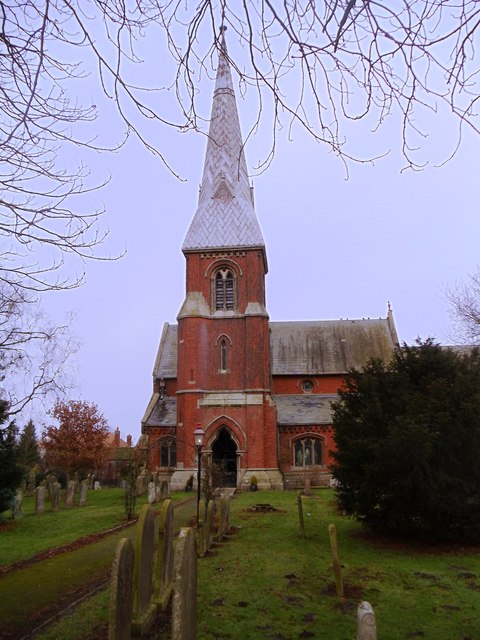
{"x":144,"y":609}
{"x":202,"y":524}
{"x":337,"y":568}
{"x":40,"y":499}
{"x":140,"y":485}
{"x":164,"y":561}
{"x":223,"y":524}
{"x":70,"y":493}
{"x":30,"y":490}
{"x":366,"y":625}
{"x":96,"y":485}
{"x":82,"y":498}
{"x":209,"y":525}
{"x":164,"y":489}
{"x":151,"y":493}
{"x":55,"y":496}
{"x":120,"y":608}
{"x":17,"y":509}
{"x":307,"y":490}
{"x":184,"y":600}
{"x":300,"y":513}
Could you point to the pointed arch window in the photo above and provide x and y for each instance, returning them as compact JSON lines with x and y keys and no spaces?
{"x":168,"y":452}
{"x":308,"y":452}
{"x":223,"y":355}
{"x":224,"y":290}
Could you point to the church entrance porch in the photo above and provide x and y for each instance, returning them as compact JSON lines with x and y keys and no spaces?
{"x":224,"y":457}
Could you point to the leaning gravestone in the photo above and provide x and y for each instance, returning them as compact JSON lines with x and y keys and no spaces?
{"x":55,"y":496}
{"x":184,"y":601}
{"x":300,"y":514}
{"x":39,"y":499}
{"x":307,"y":489}
{"x":164,"y":561}
{"x":144,"y":609}
{"x":151,"y":493}
{"x":366,"y":625}
{"x":82,"y":498}
{"x":70,"y":493}
{"x":120,"y":610}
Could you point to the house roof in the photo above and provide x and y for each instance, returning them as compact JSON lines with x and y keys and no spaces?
{"x":225,"y":215}
{"x":306,"y":348}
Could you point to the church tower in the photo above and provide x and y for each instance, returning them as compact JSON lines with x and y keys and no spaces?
{"x":223,"y":361}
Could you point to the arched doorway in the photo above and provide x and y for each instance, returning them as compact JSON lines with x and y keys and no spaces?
{"x":224,"y":456}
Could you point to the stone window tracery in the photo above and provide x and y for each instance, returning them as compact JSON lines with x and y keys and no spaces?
{"x":307,"y":452}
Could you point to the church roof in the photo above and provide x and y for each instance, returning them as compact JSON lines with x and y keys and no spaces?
{"x":306,"y":347}
{"x":225,"y":215}
{"x":328,"y":346}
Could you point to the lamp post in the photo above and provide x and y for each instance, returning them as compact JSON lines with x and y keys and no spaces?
{"x":199,"y":435}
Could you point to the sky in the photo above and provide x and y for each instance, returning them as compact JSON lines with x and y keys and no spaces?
{"x":336,"y":247}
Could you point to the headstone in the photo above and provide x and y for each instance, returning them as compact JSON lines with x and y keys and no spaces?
{"x":223,"y":523}
{"x":151,"y":493}
{"x":164,"y":562}
{"x":144,"y":609}
{"x":55,"y":496}
{"x":82,"y":498}
{"x":337,"y":569}
{"x":140,"y":486}
{"x":202,"y":523}
{"x":120,"y":609}
{"x":30,"y":490}
{"x":184,"y":601}
{"x":39,"y":499}
{"x":70,"y":493}
{"x":307,"y":490}
{"x":18,"y":505}
{"x":366,"y":625}
{"x":96,"y":485}
{"x":209,"y":525}
{"x":164,"y":490}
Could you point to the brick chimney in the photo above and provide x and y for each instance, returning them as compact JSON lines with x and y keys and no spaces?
{"x":129,"y":441}
{"x":116,"y":438}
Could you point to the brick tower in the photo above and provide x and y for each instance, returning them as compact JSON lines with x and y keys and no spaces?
{"x":223,"y":350}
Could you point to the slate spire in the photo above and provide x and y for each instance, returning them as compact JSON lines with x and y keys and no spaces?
{"x":225,"y":215}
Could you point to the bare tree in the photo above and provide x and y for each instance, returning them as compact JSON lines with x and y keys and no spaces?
{"x":464,"y":301}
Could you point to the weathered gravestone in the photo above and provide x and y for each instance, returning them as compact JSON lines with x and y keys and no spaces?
{"x":55,"y":496}
{"x":300,"y":513}
{"x":39,"y":499}
{"x":70,"y":493}
{"x":30,"y":490}
{"x":209,"y":525}
{"x":82,"y":498}
{"x":202,"y":517}
{"x":140,"y":485}
{"x":143,"y":607}
{"x":224,"y":518}
{"x":151,"y":493}
{"x":17,"y":508}
{"x":307,"y":489}
{"x":120,"y":609}
{"x":184,"y":601}
{"x":164,"y":490}
{"x":366,"y":625}
{"x":164,"y":562}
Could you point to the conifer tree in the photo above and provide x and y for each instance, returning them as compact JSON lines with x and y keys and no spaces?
{"x":10,"y":470}
{"x":27,"y":447}
{"x":408,"y":443}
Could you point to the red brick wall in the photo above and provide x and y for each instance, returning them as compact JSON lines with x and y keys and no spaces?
{"x":292,"y":384}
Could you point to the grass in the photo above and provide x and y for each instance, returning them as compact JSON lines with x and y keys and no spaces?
{"x":267,"y":582}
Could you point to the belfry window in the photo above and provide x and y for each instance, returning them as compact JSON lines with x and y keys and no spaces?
{"x":224,"y":290}
{"x":168,"y":453}
{"x":307,"y":452}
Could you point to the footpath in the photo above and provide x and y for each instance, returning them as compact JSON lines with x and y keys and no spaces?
{"x":32,"y":594}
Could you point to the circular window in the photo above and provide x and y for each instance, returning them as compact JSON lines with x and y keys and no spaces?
{"x":307,"y":386}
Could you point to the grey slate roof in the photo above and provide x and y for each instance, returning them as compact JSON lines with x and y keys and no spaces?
{"x":225,"y":215}
{"x":303,"y":409}
{"x":306,"y":348}
{"x":163,"y":413}
{"x":328,"y":346}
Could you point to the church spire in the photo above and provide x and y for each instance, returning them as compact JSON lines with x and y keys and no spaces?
{"x":225,"y":215}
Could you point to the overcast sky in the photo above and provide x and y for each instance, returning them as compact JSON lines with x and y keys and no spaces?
{"x":336,"y":248}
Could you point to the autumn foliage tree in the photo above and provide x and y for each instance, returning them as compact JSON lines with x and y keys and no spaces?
{"x":78,"y":444}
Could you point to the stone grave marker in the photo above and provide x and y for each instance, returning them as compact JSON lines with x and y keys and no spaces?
{"x":144,"y":609}
{"x":337,"y":568}
{"x":151,"y":493}
{"x":209,"y":525}
{"x":120,"y":608}
{"x":300,"y":513}
{"x":307,"y":489}
{"x":164,"y":490}
{"x":202,"y":517}
{"x":30,"y":490}
{"x":55,"y":496}
{"x":70,"y":493}
{"x":184,"y":601}
{"x":40,"y":499}
{"x":164,"y":561}
{"x":17,"y":508}
{"x":82,"y":498}
{"x":366,"y":625}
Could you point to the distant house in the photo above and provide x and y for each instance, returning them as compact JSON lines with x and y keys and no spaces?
{"x":261,"y":390}
{"x":119,"y":452}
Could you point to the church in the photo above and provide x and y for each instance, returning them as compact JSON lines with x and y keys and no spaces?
{"x":260,"y":390}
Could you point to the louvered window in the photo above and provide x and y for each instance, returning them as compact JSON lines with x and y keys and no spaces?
{"x":224,"y":290}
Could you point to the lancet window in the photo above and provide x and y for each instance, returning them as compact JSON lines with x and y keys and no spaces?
{"x":168,"y":452}
{"x":224,"y":290}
